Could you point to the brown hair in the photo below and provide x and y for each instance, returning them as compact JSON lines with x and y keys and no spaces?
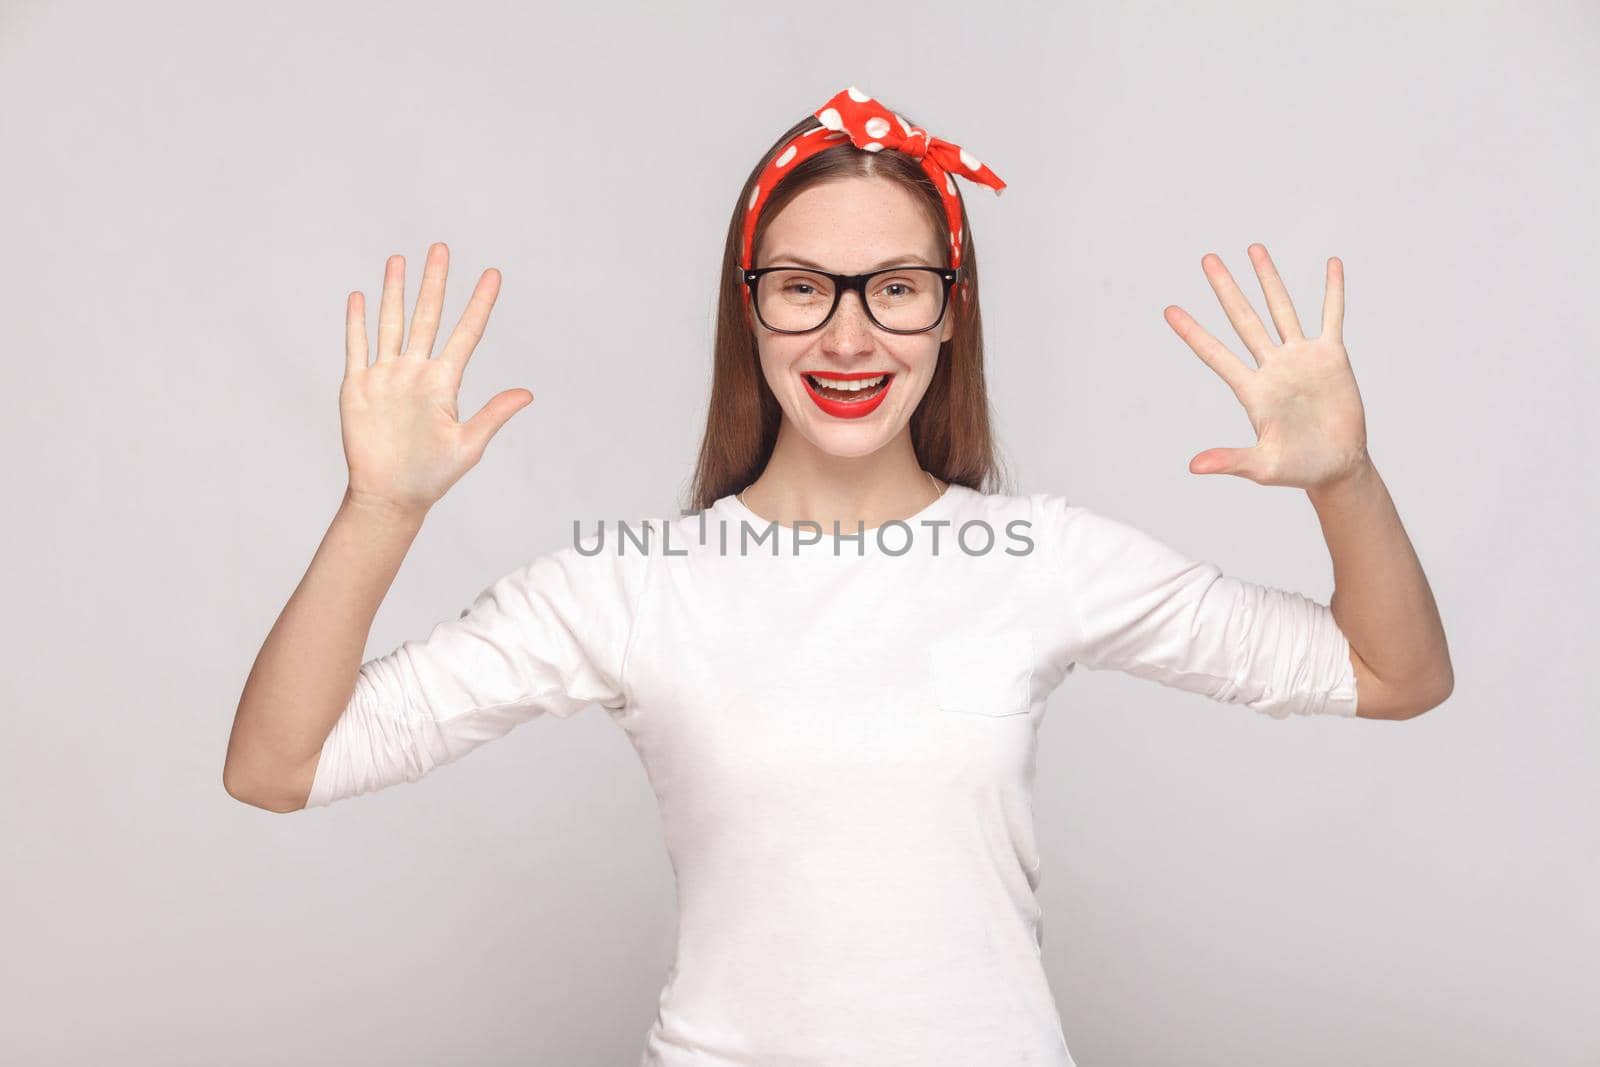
{"x":950,"y":429}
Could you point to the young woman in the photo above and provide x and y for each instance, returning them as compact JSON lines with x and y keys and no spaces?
{"x":834,"y":668}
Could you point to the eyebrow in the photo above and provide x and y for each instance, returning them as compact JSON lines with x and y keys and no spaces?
{"x":892,"y":261}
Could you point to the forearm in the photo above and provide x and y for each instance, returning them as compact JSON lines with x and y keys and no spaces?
{"x":304,"y":675}
{"x":1381,"y":597}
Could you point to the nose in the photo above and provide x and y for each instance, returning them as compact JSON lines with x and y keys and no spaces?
{"x":849,"y":332}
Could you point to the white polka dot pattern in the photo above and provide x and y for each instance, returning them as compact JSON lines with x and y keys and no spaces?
{"x":871,"y":127}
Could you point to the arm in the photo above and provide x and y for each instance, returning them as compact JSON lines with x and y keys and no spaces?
{"x":404,"y":448}
{"x":1311,"y":432}
{"x":1382,"y":600}
{"x":1116,"y":598}
{"x":549,"y":638}
{"x":306,"y":670}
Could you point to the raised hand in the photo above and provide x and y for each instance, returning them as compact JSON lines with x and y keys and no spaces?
{"x":1301,"y":398}
{"x":402,"y":441}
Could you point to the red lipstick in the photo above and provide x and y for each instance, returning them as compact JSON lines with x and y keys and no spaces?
{"x":850,"y":409}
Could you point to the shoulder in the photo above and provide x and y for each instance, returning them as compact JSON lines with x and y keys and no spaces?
{"x":1050,"y":515}
{"x":997,"y":509}
{"x":1074,"y":537}
{"x":598,"y":563}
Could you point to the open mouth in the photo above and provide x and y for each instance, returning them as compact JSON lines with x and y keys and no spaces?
{"x":848,"y":389}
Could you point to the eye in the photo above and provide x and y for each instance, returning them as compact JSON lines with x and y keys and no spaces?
{"x":897,"y":288}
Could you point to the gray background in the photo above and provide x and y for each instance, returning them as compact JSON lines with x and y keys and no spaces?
{"x":191,"y":190}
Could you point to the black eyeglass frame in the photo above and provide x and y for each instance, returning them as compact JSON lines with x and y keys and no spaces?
{"x":858,"y":282}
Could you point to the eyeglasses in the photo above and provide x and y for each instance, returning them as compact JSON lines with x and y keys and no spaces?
{"x":896,"y":299}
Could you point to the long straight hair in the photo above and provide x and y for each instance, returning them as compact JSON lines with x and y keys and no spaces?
{"x":950,"y":429}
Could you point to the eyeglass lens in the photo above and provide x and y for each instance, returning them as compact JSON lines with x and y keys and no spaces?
{"x":902,"y":298}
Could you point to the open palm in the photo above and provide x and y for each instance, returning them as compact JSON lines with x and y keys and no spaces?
{"x":403,"y":441}
{"x":1301,"y":398}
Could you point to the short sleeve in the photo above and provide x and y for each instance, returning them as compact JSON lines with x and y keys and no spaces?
{"x":551,"y":637}
{"x":1123,"y":600}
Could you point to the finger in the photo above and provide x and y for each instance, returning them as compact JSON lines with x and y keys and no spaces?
{"x":1278,"y":304}
{"x":1240,"y":313}
{"x":355,"y":333}
{"x":430,"y":302}
{"x":482,"y":427}
{"x":1333,"y":302}
{"x":1236,"y":461}
{"x":474,"y":320}
{"x":392,"y":308}
{"x":1229,"y":367}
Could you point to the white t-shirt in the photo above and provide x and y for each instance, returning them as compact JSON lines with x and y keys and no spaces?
{"x":841,"y":737}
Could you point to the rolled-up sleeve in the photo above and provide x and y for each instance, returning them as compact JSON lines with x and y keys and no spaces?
{"x":549,"y":638}
{"x":1123,"y":600}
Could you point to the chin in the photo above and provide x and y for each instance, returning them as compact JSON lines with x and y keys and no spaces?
{"x":848,"y":444}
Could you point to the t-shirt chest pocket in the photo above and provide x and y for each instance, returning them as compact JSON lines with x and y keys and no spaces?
{"x":986,"y":674}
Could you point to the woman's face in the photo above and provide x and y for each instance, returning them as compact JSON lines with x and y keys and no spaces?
{"x":851,"y":226}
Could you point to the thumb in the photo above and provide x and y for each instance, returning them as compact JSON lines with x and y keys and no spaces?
{"x":482,"y":427}
{"x":1223,"y":461}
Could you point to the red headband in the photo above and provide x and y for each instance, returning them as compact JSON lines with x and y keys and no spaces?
{"x":872,"y":127}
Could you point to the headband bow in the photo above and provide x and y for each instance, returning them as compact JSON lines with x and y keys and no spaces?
{"x":872,"y":127}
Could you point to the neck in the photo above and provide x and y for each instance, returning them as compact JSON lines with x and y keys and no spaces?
{"x":800,"y":481}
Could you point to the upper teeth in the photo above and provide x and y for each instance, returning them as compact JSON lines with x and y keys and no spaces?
{"x":852,"y":385}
